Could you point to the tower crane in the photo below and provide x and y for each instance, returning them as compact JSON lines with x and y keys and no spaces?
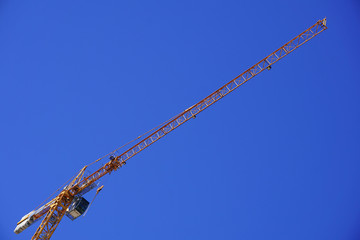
{"x":69,"y":201}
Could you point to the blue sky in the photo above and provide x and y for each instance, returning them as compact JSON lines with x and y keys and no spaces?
{"x":276,"y":159}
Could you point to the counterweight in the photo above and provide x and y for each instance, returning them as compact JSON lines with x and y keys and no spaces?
{"x":55,"y":209}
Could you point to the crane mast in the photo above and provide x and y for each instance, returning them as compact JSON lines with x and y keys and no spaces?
{"x":55,"y":209}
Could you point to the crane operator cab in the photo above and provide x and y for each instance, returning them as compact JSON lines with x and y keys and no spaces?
{"x":77,"y":208}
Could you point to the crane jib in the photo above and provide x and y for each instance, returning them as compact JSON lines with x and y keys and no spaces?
{"x":191,"y":112}
{"x":57,"y":207}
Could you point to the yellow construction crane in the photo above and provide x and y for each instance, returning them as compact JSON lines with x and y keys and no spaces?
{"x":70,"y":200}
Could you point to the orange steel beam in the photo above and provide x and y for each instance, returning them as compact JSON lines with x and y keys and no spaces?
{"x":191,"y":112}
{"x":58,"y":206}
{"x":54,"y":215}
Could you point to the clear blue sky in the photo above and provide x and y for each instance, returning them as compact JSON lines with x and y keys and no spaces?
{"x":277,"y":159}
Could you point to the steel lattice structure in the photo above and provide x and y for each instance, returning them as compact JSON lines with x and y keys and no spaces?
{"x":57,"y":207}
